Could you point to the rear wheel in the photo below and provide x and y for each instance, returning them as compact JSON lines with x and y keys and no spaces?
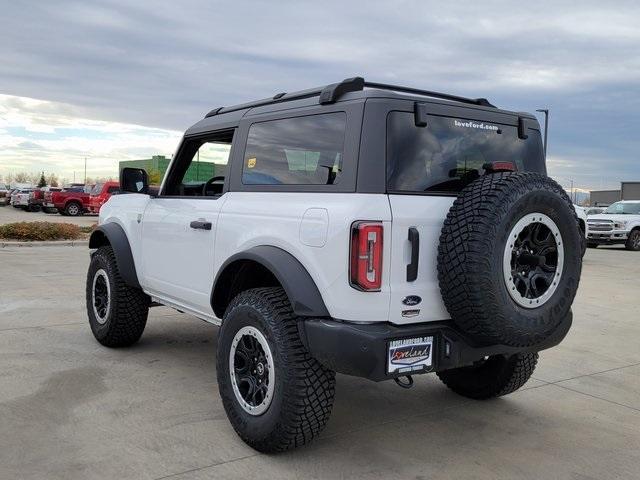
{"x":276,"y":395}
{"x":117,"y":312}
{"x":491,"y":377}
{"x":633,"y":242}
{"x":73,"y":209}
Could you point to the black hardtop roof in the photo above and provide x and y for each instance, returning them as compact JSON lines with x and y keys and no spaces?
{"x":347,"y":90}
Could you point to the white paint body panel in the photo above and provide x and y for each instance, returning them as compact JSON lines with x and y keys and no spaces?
{"x":427,"y":214}
{"x":249,"y":219}
{"x":177,"y":264}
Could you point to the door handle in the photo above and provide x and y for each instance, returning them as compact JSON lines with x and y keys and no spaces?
{"x":200,"y":225}
{"x":412,"y":268}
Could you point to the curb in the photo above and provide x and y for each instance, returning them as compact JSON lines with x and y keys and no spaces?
{"x":52,"y":243}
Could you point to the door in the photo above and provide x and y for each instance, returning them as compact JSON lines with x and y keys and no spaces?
{"x":180,"y":224}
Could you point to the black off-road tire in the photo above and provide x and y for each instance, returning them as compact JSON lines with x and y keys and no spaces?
{"x":127,"y":313}
{"x":496,"y":376}
{"x":471,"y":252}
{"x":633,"y":242}
{"x":304,"y":389}
{"x":592,"y":245}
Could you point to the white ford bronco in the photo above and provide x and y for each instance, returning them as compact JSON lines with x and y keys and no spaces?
{"x":361,"y":228}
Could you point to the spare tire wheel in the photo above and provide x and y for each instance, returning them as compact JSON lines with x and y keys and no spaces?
{"x":509,"y":258}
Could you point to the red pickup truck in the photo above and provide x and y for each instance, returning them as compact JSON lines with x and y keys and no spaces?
{"x":71,"y":201}
{"x":100,"y":194}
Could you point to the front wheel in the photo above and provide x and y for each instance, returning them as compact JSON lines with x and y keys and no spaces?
{"x":633,"y":242}
{"x":592,"y":245}
{"x":117,"y":312}
{"x":276,"y":396}
{"x":491,"y":377}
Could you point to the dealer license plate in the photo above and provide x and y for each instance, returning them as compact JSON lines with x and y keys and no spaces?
{"x":410,"y":355}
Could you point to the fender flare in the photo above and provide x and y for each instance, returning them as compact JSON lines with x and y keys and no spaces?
{"x":300,"y":288}
{"x":114,"y":235}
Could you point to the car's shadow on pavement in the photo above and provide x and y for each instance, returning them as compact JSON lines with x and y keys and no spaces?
{"x":186,"y":345}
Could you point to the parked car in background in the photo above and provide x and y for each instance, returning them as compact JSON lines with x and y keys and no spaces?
{"x":36,"y":198}
{"x":72,"y":201}
{"x":100,"y":194}
{"x":4,"y":191}
{"x":594,"y":210}
{"x":584,"y":226}
{"x":20,"y":198}
{"x":619,"y":224}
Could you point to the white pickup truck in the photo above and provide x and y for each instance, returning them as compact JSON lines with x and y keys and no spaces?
{"x":619,"y":224}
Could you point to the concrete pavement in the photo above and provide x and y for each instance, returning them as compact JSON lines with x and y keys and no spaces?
{"x":8,"y":214}
{"x":70,"y":408}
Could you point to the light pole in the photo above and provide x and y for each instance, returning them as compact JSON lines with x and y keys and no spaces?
{"x":85,"y":170}
{"x":546,"y":128}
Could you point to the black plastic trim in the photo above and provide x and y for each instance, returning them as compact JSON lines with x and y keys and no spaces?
{"x":300,"y":288}
{"x":483,"y":102}
{"x":331,"y":93}
{"x":522,"y":129}
{"x":114,"y":235}
{"x":361,"y":349}
{"x":414,"y":240}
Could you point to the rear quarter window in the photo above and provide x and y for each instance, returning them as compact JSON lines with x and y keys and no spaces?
{"x":449,"y":153}
{"x":295,"y":151}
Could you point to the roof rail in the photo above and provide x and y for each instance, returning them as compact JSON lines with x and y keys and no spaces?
{"x":331,"y":93}
{"x":445,"y":96}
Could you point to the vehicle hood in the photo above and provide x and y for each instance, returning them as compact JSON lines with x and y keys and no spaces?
{"x":614,"y":217}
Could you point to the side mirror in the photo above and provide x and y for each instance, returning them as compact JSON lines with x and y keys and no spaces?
{"x":134,"y":180}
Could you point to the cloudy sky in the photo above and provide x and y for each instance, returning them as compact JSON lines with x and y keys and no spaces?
{"x":119,"y":79}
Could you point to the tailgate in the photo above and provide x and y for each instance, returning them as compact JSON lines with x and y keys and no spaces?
{"x":424,"y":216}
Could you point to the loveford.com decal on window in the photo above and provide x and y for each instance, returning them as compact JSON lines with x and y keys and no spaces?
{"x":480,"y":126}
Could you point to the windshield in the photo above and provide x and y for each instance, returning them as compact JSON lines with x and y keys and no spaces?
{"x":449,"y":153}
{"x":97,"y":189}
{"x":621,"y":208}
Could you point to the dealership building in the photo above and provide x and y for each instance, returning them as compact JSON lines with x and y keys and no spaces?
{"x":604,"y":198}
{"x":199,"y":171}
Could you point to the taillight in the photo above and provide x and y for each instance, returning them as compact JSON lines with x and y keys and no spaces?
{"x":366,"y":256}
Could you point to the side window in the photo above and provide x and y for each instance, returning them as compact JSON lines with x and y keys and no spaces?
{"x":295,"y":151}
{"x":201,"y":167}
{"x":113,"y":189}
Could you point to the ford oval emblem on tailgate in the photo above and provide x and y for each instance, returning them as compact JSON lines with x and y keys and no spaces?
{"x":411,"y":300}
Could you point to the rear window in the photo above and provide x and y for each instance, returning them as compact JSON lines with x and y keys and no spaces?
{"x":449,"y":153}
{"x":97,"y":189}
{"x":295,"y":151}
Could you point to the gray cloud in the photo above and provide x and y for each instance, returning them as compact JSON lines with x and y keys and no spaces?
{"x":164,"y":64}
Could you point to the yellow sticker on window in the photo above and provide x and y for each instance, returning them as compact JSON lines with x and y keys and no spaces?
{"x":251,"y":162}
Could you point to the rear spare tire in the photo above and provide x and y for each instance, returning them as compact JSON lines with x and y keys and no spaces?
{"x":509,"y":258}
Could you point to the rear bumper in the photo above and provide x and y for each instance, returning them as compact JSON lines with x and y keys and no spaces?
{"x":361,"y":349}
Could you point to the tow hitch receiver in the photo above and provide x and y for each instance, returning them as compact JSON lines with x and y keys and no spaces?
{"x":408,"y":383}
